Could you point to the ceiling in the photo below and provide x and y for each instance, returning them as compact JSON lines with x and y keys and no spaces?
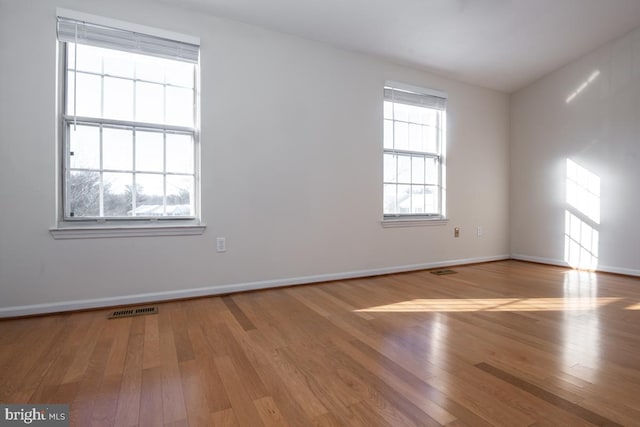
{"x":499,"y":44}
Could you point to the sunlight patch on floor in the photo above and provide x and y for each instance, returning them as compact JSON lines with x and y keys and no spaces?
{"x":494,"y":304}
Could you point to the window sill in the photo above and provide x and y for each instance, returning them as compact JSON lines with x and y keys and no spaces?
{"x":99,"y":232}
{"x":409,"y":222}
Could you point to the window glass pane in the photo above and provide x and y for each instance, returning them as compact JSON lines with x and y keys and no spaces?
{"x":128,"y":168}
{"x":118,"y":63}
{"x":180,"y":73}
{"x":179,"y":106}
{"x":388,"y":134}
{"x":415,"y":113}
{"x":180,"y":157}
{"x":180,"y":190}
{"x":118,"y":99}
{"x":89,"y":98}
{"x":118,"y":197}
{"x":388,"y":110}
{"x":431,"y":200}
{"x":401,"y":112}
{"x":149,"y":195}
{"x":71,"y":49}
{"x":389,"y":198}
{"x":430,"y":139}
{"x":415,"y":138}
{"x":389,"y":168}
{"x":84,"y":147}
{"x":404,"y":199}
{"x":83,"y":194}
{"x":404,"y":169}
{"x":417,"y":199}
{"x":401,"y":136}
{"x":429,"y":117}
{"x":149,"y":102}
{"x":417,"y":170}
{"x":431,"y":171}
{"x":150,"y":69}
{"x":117,"y":149}
{"x":149,"y":151}
{"x":89,"y":58}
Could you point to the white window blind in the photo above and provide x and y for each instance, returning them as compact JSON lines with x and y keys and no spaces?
{"x":75,"y":31}
{"x":417,"y":99}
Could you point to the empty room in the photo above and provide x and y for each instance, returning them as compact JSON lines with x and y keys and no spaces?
{"x":319,"y":213}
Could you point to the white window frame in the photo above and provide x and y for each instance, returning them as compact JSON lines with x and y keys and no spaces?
{"x":438,"y":99}
{"x":91,"y":227}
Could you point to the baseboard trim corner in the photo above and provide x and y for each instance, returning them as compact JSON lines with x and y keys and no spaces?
{"x":561,"y":263}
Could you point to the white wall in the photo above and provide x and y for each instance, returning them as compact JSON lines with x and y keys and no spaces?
{"x":291,"y":168}
{"x":597,"y":126}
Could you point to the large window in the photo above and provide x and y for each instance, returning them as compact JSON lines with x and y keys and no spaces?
{"x":414,"y":124}
{"x":128,"y":124}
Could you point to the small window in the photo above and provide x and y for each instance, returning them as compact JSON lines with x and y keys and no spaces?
{"x":129,"y":115}
{"x":414,"y":123}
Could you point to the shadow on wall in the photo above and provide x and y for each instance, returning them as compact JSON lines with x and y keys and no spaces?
{"x":582,"y":217}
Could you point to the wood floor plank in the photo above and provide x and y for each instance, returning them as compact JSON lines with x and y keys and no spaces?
{"x":269,"y":412}
{"x":195,"y":393}
{"x":224,"y":418}
{"x":82,"y":358}
{"x":118,"y":351}
{"x":284,"y":396}
{"x":214,"y":393}
{"x":242,"y":406}
{"x":128,"y":410}
{"x":540,"y":393}
{"x":242,"y":318}
{"x":151,"y":412}
{"x":403,"y":383}
{"x":105,"y":405}
{"x":173,"y":406}
{"x":151,"y":356}
{"x":504,"y":343}
{"x":86,"y":394}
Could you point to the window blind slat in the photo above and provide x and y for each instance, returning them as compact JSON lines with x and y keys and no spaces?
{"x":130,"y":41}
{"x":417,"y":99}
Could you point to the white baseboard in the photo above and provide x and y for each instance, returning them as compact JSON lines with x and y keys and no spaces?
{"x":540,"y":260}
{"x":562,"y":263}
{"x":28,"y":310}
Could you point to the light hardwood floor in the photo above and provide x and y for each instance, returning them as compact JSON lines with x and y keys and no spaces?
{"x":505,"y":343}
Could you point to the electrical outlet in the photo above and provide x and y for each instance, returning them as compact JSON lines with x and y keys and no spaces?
{"x":479,"y":231}
{"x":221,"y":244}
{"x":456,"y":232}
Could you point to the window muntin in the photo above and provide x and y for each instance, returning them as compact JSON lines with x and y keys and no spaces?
{"x":129,"y":135}
{"x":413,"y":147}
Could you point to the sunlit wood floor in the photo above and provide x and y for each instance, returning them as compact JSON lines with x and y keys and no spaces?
{"x":505,"y":343}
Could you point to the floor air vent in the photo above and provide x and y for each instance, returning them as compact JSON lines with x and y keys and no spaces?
{"x":128,"y":312}
{"x":443,"y":272}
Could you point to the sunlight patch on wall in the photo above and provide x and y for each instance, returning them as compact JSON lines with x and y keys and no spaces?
{"x":581,"y":243}
{"x":583,"y":191}
{"x":582,"y":217}
{"x":583,"y":86}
